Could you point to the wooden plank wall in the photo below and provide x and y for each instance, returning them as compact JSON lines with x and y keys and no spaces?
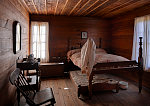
{"x":10,"y":10}
{"x":63,"y":28}
{"x":122,"y":37}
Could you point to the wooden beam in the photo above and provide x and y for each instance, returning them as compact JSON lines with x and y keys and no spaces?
{"x":22,"y":5}
{"x":83,"y":6}
{"x":46,"y":7}
{"x":96,"y":7}
{"x":129,"y":5}
{"x":18,"y":8}
{"x":56,"y":7}
{"x":89,"y":7}
{"x":35,"y":7}
{"x":114,"y":8}
{"x":75,"y":7}
{"x":64,"y":7}
{"x":27,"y":6}
{"x":38,"y":6}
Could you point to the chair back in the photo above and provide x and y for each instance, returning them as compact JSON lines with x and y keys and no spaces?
{"x":14,"y":75}
{"x":17,"y":79}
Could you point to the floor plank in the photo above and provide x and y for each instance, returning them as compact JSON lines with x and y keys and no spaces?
{"x":66,"y":95}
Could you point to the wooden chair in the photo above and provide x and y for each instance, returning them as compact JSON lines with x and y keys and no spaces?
{"x":32,"y":98}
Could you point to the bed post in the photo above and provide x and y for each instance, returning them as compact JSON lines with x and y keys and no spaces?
{"x":140,"y":64}
{"x":90,"y":78}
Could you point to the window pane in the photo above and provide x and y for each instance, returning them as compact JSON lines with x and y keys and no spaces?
{"x":148,"y":30}
{"x":34,"y":46}
{"x":149,"y":62}
{"x":42,"y":30}
{"x":140,"y":29}
{"x":43,"y":54}
{"x":34,"y":53}
{"x":36,"y":30}
{"x":34,"y":38}
{"x":39,"y":39}
{"x":43,"y":46}
{"x":43,"y":38}
{"x":35,"y":33}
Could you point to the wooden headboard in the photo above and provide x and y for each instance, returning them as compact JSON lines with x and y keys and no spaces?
{"x":78,"y":43}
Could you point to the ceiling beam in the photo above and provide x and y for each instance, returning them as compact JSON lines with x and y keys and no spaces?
{"x":56,"y":7}
{"x":89,"y":7}
{"x":117,"y":7}
{"x":27,"y":6}
{"x":22,"y":5}
{"x":64,"y":7}
{"x":46,"y":7}
{"x":82,"y":6}
{"x":75,"y":7}
{"x":134,"y":4}
{"x":96,"y":7}
{"x":35,"y":7}
{"x":24,"y":14}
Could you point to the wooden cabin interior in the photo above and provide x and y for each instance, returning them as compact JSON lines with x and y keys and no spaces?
{"x":111,"y":20}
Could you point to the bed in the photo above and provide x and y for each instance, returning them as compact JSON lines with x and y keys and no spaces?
{"x":103,"y":63}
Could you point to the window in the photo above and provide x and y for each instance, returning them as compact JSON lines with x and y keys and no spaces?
{"x":142,"y":29}
{"x":39,"y":40}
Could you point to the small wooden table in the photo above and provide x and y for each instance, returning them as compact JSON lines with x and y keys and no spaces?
{"x":52,"y":69}
{"x":24,"y":65}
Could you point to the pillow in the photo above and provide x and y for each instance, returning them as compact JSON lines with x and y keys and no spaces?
{"x":99,"y":50}
{"x":71,"y":52}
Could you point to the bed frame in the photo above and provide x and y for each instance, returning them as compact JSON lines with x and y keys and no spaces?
{"x":101,"y":68}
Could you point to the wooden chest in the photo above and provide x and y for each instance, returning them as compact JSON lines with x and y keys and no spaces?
{"x":52,"y":69}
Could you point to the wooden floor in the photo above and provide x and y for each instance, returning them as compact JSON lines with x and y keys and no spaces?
{"x":66,"y":95}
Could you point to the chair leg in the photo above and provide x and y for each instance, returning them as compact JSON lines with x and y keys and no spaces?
{"x":117,"y":87}
{"x":18,"y":97}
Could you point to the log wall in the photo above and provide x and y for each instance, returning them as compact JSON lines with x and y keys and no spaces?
{"x":122,"y":38}
{"x":11,"y":10}
{"x":63,"y":28}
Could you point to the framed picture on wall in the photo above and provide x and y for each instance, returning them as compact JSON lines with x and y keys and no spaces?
{"x":83,"y":35}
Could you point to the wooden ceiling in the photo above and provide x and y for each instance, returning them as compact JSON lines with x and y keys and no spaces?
{"x":102,"y":8}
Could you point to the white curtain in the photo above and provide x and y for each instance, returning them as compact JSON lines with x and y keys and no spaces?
{"x":142,"y":29}
{"x":39,"y":40}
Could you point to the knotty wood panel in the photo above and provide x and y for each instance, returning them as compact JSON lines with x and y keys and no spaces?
{"x":11,"y":10}
{"x":63,"y":28}
{"x":122,"y":37}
